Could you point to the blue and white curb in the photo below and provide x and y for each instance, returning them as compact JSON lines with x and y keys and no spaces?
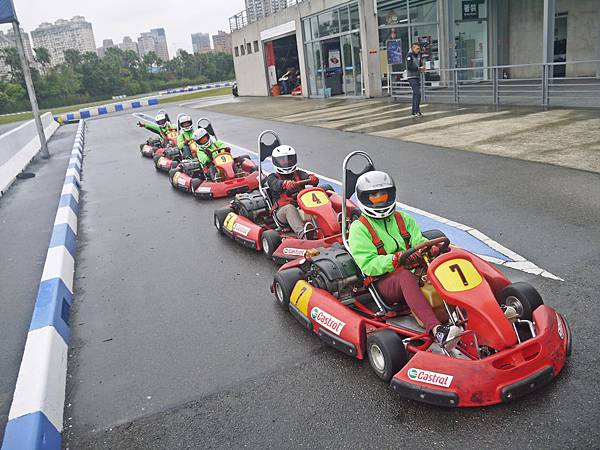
{"x":35,"y":420}
{"x":459,"y":234}
{"x":105,"y":109}
{"x":197,"y":88}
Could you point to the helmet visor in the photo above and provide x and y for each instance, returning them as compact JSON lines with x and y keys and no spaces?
{"x":161,"y":122}
{"x":203,"y":140}
{"x":286,"y":161}
{"x":381,"y":198}
{"x":186,"y":125}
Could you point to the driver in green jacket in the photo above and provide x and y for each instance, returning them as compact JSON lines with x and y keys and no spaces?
{"x":161,"y":127}
{"x":378,"y":239}
{"x":186,"y":136}
{"x":208,"y":147}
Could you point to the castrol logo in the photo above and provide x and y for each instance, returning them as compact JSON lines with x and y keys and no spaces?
{"x":327,"y":321}
{"x":425,"y":376}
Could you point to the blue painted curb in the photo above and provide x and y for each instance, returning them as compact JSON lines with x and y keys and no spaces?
{"x":33,"y":431}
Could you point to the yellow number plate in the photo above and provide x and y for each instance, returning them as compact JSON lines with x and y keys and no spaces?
{"x":301,"y":295}
{"x":172,"y":134}
{"x":223,"y":159}
{"x":314,"y":199}
{"x":229,"y":221}
{"x":458,"y":275}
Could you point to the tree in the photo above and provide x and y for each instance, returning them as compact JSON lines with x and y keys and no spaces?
{"x":12,"y":60}
{"x":42,"y":56}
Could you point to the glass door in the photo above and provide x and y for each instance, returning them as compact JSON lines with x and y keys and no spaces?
{"x":347,"y":57}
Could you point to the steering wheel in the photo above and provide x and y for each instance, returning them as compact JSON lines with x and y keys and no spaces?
{"x":425,"y":247}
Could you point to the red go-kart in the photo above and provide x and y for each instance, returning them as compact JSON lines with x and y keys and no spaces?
{"x":155,"y":145}
{"x":250,"y":221}
{"x":511,"y":342}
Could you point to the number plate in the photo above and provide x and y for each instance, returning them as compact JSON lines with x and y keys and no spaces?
{"x":301,"y":295}
{"x":172,"y":135}
{"x":458,"y":275}
{"x":222,"y":159}
{"x":230,"y":221}
{"x":314,"y":199}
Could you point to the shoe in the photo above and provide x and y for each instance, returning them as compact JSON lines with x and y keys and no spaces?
{"x":419,"y":114}
{"x":446,"y":333}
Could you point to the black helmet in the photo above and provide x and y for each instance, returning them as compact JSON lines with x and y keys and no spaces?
{"x":376,"y":194}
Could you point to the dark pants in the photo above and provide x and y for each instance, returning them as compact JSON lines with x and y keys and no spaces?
{"x":415,"y":85}
{"x":401,"y":286}
{"x":187,"y":152}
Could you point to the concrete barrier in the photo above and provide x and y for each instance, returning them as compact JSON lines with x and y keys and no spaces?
{"x":35,"y":420}
{"x":105,"y":109}
{"x":18,"y":147}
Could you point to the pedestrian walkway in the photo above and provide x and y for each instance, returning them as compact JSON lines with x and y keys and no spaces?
{"x":564,"y":137}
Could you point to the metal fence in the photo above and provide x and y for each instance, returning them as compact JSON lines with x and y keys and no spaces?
{"x":245,"y":17}
{"x":552,"y":84}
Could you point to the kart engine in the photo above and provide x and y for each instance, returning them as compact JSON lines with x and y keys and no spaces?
{"x":190,"y":166}
{"x":172,"y":153}
{"x":335,"y":271}
{"x":251,"y":205}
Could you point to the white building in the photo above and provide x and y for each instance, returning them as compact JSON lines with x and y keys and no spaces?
{"x":128,"y":44}
{"x":106,"y":44}
{"x":8,"y":40}
{"x":76,"y":34}
{"x":146,"y":44}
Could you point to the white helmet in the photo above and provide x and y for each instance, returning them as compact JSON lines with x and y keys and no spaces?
{"x":199,"y":135}
{"x":185,"y":123}
{"x":161,"y":119}
{"x":376,"y":194}
{"x":284,"y":159}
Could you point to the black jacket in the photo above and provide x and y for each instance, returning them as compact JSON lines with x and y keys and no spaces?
{"x":275,"y":183}
{"x":413,"y":62}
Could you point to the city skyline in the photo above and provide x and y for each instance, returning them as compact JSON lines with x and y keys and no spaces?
{"x":131,"y":21}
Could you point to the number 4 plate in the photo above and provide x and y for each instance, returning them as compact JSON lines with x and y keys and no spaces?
{"x":458,"y":275}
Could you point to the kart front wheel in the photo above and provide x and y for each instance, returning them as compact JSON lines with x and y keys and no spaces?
{"x":284,"y":283}
{"x":387,"y":354}
{"x":523,"y":297}
{"x":270,"y":240}
{"x":219,"y":218}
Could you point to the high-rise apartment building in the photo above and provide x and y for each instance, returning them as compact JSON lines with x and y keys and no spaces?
{"x":76,"y":34}
{"x":106,"y":44}
{"x":222,"y":42}
{"x":160,"y":43}
{"x":128,"y":44}
{"x":8,"y":40}
{"x":257,"y":9}
{"x":201,"y":43}
{"x":146,"y":44}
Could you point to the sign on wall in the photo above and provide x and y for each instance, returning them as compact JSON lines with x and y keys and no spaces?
{"x":394,"y":51}
{"x":7,"y":12}
{"x":470,"y":9}
{"x":335,"y":59}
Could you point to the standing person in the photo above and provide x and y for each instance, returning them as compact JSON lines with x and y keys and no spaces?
{"x":414,"y":67}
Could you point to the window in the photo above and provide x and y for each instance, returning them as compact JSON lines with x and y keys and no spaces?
{"x":329,"y":23}
{"x":344,"y":20}
{"x":249,"y":48}
{"x":236,"y":50}
{"x":255,"y":46}
{"x":242,"y":49}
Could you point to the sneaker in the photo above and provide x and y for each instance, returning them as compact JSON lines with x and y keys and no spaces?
{"x":419,"y":114}
{"x":446,"y":333}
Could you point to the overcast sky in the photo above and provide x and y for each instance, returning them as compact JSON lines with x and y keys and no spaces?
{"x":113,"y":19}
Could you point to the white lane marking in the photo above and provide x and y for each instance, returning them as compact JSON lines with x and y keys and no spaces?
{"x":530,"y":267}
{"x":59,"y":264}
{"x":42,"y":377}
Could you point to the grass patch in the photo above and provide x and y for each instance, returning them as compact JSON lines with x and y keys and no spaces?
{"x":15,"y":117}
{"x":197,"y":94}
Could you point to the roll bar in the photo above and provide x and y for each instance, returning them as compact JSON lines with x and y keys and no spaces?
{"x":264,"y":151}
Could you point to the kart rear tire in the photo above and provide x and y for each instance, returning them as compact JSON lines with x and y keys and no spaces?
{"x":327,"y":187}
{"x":195,"y":183}
{"x":523,"y":297}
{"x":172,"y":173}
{"x":219,"y":218}
{"x":387,"y":354}
{"x":270,"y":240}
{"x":284,"y":283}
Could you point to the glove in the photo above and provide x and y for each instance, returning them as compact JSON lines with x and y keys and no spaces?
{"x":312,"y":179}
{"x":412,"y":261}
{"x":434,"y":251}
{"x":140,"y":124}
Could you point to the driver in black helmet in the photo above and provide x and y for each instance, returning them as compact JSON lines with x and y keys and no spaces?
{"x":378,"y":239}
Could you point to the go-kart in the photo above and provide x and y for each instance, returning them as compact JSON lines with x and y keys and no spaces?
{"x":226,"y":175}
{"x":250,"y":220}
{"x":510,"y":344}
{"x":155,"y":145}
{"x":168,"y":159}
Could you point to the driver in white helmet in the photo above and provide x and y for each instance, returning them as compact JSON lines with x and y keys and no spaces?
{"x":378,"y":239}
{"x":284,"y":185}
{"x":186,"y":135}
{"x":161,"y":126}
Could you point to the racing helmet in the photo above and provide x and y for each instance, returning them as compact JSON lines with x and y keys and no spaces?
{"x":284,"y":159}
{"x":202,"y":137}
{"x":185,"y":123}
{"x":161,"y":119}
{"x":376,"y":194}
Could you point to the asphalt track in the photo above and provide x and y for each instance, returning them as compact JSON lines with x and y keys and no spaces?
{"x":177,"y":342}
{"x":27,"y":213}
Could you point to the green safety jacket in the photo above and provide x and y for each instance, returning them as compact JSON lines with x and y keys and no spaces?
{"x":184,"y":138}
{"x":161,"y":131}
{"x":364,"y":250}
{"x":213,"y":148}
